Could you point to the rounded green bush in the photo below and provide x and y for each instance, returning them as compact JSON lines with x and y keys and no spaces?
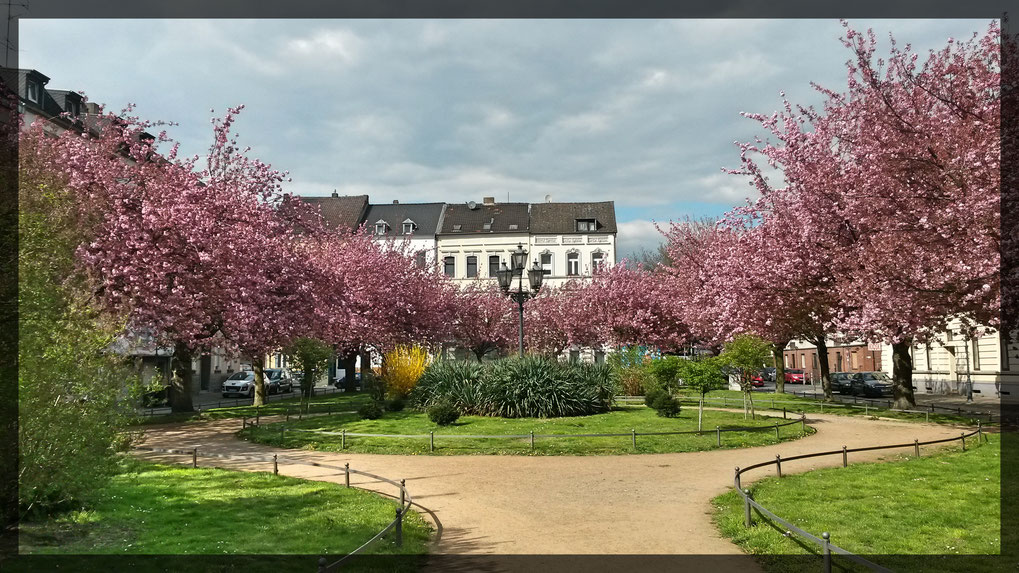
{"x":666,"y":405}
{"x":395,"y":405}
{"x":370,"y":411}
{"x":443,"y":413}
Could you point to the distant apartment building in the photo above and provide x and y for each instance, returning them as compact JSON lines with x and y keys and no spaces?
{"x":475,"y":239}
{"x":412,"y":226}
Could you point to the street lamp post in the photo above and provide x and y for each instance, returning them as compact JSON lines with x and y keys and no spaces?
{"x":505,"y":275}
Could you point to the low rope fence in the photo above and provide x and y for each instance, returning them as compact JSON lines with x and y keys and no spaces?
{"x":867,"y":406}
{"x":396,"y":525}
{"x":237,"y":402}
{"x":824,"y":541}
{"x":632,"y":434}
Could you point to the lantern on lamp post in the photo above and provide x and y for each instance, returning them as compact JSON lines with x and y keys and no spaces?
{"x":505,"y":276}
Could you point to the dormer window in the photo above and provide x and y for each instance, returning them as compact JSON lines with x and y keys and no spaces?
{"x":72,"y":108}
{"x":34,"y":90}
{"x":381,"y":227}
{"x":408,"y":227}
{"x":587,"y":225}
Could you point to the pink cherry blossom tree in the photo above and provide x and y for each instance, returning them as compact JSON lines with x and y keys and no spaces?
{"x":484,"y":318}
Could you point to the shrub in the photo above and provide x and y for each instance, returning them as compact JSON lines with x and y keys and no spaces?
{"x":630,"y":365}
{"x":666,"y":371}
{"x":534,"y":386}
{"x":404,"y":367}
{"x":395,"y":405}
{"x":370,"y":411}
{"x":454,"y":381}
{"x":665,"y":404}
{"x":375,"y":386}
{"x":443,"y":413}
{"x":652,"y":395}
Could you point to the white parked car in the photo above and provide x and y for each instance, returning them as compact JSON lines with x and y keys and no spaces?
{"x":240,"y":383}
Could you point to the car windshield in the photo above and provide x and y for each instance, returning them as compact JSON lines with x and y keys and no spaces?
{"x":794,"y":371}
{"x":238,"y":376}
{"x":839,"y":376}
{"x":273,"y":374}
{"x":877,"y":376}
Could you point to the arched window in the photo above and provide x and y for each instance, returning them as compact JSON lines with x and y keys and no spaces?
{"x":573,"y":264}
{"x":597,"y":261}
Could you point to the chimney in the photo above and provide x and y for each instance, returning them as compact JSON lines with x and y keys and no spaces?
{"x":335,"y":194}
{"x":489,"y":200}
{"x":396,"y":201}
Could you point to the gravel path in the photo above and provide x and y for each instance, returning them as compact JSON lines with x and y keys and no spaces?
{"x":628,"y":504}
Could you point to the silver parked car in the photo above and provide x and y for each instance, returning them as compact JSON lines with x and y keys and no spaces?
{"x":279,"y":380}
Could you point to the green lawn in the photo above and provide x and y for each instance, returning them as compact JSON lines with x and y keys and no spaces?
{"x":621,"y":420}
{"x":769,"y":400}
{"x":945,"y":503}
{"x":159,"y":509}
{"x":335,"y":402}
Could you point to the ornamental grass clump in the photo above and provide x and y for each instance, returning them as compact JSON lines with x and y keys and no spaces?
{"x":455,"y":381}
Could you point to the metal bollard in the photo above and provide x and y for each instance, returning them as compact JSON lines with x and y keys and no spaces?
{"x":532,"y":440}
{"x":776,"y":432}
{"x":827,"y":551}
{"x":845,"y":457}
{"x":718,"y":436}
{"x":634,"y":434}
{"x":431,"y":441}
{"x":346,"y":474}
{"x":778,"y":464}
{"x":403,"y":492}
{"x":916,"y":447}
{"x":275,"y":465}
{"x":194,"y":457}
{"x":399,"y":527}
{"x":321,"y":564}
{"x":748,"y":519}
{"x":963,"y":438}
{"x":343,"y":439}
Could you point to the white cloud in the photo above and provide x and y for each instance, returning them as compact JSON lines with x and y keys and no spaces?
{"x":326,"y":46}
{"x":634,"y":236}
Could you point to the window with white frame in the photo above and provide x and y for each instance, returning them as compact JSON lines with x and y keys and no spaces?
{"x":472,"y":267}
{"x":975,"y":353}
{"x":408,"y":227}
{"x":34,"y":90}
{"x":493,"y":266}
{"x":586,"y":225}
{"x":573,"y":264}
{"x":381,"y":227}
{"x":546,"y":263}
{"x":597,"y":261}
{"x":449,"y":266}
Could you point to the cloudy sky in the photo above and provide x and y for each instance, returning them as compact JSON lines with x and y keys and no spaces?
{"x":641,"y":112}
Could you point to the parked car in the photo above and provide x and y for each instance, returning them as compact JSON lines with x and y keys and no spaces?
{"x":794,"y":376}
{"x":768,"y":374}
{"x":278,"y":380}
{"x":241,"y":383}
{"x":871,"y":384}
{"x":841,"y":382}
{"x":759,"y":378}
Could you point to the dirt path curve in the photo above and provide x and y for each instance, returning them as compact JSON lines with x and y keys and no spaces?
{"x":632,"y":504}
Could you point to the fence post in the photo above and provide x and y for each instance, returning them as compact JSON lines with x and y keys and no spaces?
{"x":927,"y":417}
{"x":399,"y":527}
{"x":778,"y":464}
{"x":980,"y":432}
{"x":916,"y":447}
{"x":194,"y":457}
{"x":803,"y":423}
{"x":343,"y":439}
{"x":634,"y":434}
{"x":244,"y":422}
{"x":282,"y":429}
{"x":737,"y":480}
{"x":963,"y":438}
{"x":725,"y":402}
{"x":748,"y":519}
{"x":275,"y":465}
{"x":718,"y":436}
{"x":827,"y":551}
{"x":866,"y":409}
{"x":431,"y":441}
{"x":321,"y":564}
{"x":845,"y":457}
{"x":346,"y":473}
{"x":532,"y":440}
{"x":776,"y":431}
{"x":783,"y":412}
{"x":822,"y":407}
{"x":403,"y":492}
{"x":288,"y":412}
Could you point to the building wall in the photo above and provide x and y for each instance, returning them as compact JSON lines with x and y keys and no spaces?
{"x":841,"y":358}
{"x":481,"y":246}
{"x":559,"y":246}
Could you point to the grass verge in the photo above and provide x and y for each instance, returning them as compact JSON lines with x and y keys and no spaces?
{"x":947,"y":503}
{"x":620,"y":420}
{"x":793,"y":403}
{"x":336,"y":402}
{"x":160,"y":509}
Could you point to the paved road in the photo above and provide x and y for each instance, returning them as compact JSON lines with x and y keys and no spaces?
{"x":636,"y":504}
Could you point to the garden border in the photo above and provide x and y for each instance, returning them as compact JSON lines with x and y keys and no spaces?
{"x":323,"y":566}
{"x":632,"y":434}
{"x":825,"y":540}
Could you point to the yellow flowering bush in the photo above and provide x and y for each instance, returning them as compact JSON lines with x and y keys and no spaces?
{"x":404,"y":366}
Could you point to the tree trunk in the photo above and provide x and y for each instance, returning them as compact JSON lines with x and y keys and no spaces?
{"x":349,"y":363}
{"x":366,"y":367}
{"x":700,"y":412}
{"x":180,"y":384}
{"x":256,"y":365}
{"x":779,"y":353}
{"x":822,"y":362}
{"x":902,"y":375}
